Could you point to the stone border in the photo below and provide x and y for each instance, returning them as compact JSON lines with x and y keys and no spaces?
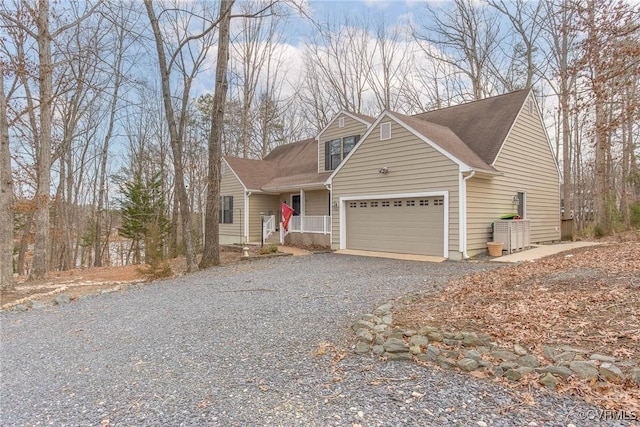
{"x":469,"y":351}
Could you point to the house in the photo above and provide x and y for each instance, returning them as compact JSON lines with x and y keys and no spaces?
{"x":429,"y":184}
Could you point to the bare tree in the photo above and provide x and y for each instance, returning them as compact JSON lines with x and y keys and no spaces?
{"x":6,"y":194}
{"x":211,"y":252}
{"x":466,"y":36}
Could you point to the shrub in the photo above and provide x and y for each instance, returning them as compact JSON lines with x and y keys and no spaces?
{"x":634,"y":214}
{"x":269,"y":249}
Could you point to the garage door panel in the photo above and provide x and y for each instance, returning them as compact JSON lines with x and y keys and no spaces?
{"x":413,"y":226}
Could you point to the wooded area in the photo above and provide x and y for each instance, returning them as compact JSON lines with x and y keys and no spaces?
{"x":114,"y":115}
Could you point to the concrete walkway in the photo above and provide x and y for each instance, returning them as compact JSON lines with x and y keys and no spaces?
{"x":537,"y":252}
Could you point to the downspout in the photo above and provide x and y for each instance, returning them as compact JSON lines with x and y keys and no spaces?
{"x":463,"y":200}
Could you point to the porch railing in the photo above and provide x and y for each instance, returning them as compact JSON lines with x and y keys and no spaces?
{"x":268,"y":226}
{"x":310,"y":224}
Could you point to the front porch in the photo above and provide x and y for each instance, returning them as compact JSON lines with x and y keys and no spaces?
{"x":304,"y":230}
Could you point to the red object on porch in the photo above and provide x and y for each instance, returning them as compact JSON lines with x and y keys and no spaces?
{"x":287,"y":211}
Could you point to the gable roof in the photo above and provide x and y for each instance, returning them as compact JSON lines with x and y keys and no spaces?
{"x":483,"y":125}
{"x":446,"y":139}
{"x":365,"y":120}
{"x":294,"y":164}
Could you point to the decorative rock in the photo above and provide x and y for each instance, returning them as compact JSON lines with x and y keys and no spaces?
{"x":467,"y":364}
{"x":584,"y":370}
{"x":635,"y":375}
{"x":419,"y":340}
{"x":383,"y":309}
{"x":370,"y":318}
{"x":451,"y":342}
{"x":21,"y":307}
{"x":398,"y":356}
{"x":611,"y":372}
{"x":378,"y":329}
{"x":566,"y":356}
{"x":549,"y":381}
{"x":395,"y":345}
{"x":360,"y":324}
{"x":602,"y":358}
{"x":451,"y":354}
{"x":410,"y":333}
{"x":473,"y":354}
{"x":379,"y":339}
{"x":513,"y":375}
{"x":444,"y":363}
{"x":458,"y":336}
{"x":520,"y":350}
{"x":484,"y":363}
{"x":378,"y":349}
{"x":560,"y":371}
{"x":415,"y":349}
{"x":508,"y":365}
{"x":471,"y":339}
{"x":362,"y":348}
{"x":387,"y":319}
{"x":529,"y":360}
{"x":37,"y":304}
{"x":426,"y":329}
{"x":364,"y":335}
{"x":504,"y":355}
{"x":548,"y":352}
{"x":435,"y":336}
{"x":432,"y":352}
{"x":62,"y":299}
{"x":524,"y":370}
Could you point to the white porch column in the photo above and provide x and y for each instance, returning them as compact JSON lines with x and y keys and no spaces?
{"x":302,"y":211}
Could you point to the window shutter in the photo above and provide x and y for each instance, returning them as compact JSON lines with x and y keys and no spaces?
{"x":327,"y":156}
{"x":230,"y":209}
{"x":220,"y":209}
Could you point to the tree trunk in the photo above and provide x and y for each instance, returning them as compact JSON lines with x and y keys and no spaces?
{"x":6,"y":196}
{"x":43,"y":159}
{"x":176,"y":144}
{"x":211,"y":253}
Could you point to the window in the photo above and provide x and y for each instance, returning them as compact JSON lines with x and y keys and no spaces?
{"x":385,"y":131}
{"x":424,"y":202}
{"x":337,"y":149}
{"x":385,"y":204}
{"x":438,"y":202}
{"x":353,"y":205}
{"x":397,"y":203}
{"x":363,"y":204}
{"x":374,"y":204}
{"x":336,"y":153}
{"x":411,"y":203}
{"x":522,"y":200}
{"x":225,"y":213}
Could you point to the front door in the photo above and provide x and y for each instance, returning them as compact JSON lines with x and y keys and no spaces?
{"x":295,"y":204}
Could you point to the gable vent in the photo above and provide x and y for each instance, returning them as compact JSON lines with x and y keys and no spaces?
{"x":385,"y":131}
{"x":341,"y":122}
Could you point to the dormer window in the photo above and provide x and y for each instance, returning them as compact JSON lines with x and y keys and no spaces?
{"x":337,"y":149}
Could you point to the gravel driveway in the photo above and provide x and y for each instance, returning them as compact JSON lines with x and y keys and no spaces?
{"x":237,"y":346}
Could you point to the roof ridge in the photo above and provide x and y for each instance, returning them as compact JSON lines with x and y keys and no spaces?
{"x":469,"y":102}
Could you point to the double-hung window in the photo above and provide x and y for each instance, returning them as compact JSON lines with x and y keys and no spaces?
{"x":337,"y":149}
{"x":225,"y":213}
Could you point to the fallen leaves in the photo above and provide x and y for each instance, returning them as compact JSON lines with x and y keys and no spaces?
{"x":589,"y":299}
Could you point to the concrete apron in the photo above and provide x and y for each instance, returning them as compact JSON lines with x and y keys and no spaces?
{"x":407,"y":257}
{"x":537,"y":252}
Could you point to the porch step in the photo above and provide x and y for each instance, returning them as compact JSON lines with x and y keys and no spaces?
{"x":273,"y":239}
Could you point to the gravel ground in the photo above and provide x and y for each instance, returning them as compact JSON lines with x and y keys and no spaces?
{"x":236,"y":346}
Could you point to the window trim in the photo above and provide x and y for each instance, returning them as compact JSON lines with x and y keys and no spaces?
{"x":331,"y":163}
{"x":225,"y":215}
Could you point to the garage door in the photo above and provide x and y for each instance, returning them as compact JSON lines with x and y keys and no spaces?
{"x":412,"y":226}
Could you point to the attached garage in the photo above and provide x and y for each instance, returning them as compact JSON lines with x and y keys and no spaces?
{"x":412,"y":225}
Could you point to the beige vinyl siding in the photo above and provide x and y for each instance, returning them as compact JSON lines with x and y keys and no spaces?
{"x":267,"y":203}
{"x":351,"y":127}
{"x":528,"y":166}
{"x":316,"y":202}
{"x":231,"y":186}
{"x":414,"y":167}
